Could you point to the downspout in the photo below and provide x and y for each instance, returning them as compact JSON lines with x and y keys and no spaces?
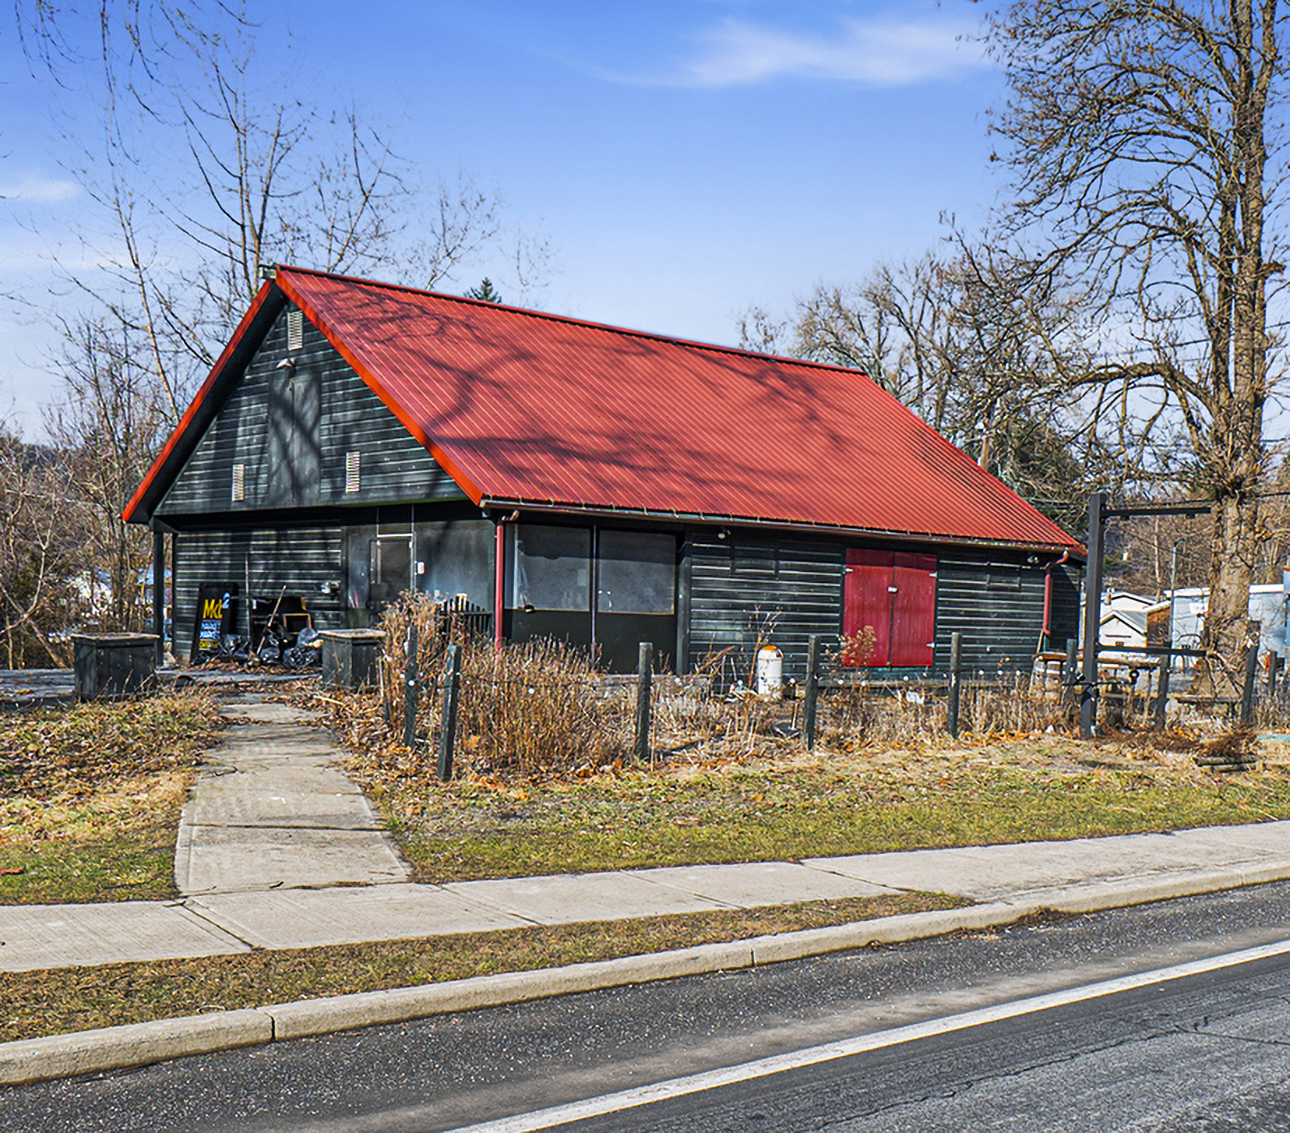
{"x":1048,"y":596}
{"x":499,"y":581}
{"x":499,"y":576}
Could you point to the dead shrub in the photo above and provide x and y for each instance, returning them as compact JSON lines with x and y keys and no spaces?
{"x":1010,"y":706}
{"x":539,"y":708}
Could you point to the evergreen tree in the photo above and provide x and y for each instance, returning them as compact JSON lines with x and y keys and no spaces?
{"x":484,"y":291}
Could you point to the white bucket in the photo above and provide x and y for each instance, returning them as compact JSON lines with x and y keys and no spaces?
{"x":770,"y":671}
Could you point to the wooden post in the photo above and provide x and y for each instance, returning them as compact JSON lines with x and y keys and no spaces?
{"x":448,"y":722}
{"x":1070,"y":669}
{"x":1070,"y":676}
{"x":952,"y":709}
{"x":1092,"y":615}
{"x":383,"y":686}
{"x":1162,"y":690}
{"x":644,"y":671}
{"x":410,"y":690}
{"x":1274,"y":663}
{"x":811,"y":700}
{"x":1251,"y":677}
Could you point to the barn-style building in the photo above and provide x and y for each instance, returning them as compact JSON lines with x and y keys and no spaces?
{"x":600,"y":485}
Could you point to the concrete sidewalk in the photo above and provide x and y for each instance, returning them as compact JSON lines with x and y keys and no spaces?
{"x":1080,"y":874}
{"x":273,"y":808}
{"x":279,"y":849}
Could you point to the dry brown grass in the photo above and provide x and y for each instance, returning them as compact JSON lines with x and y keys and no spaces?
{"x":90,"y":797}
{"x":72,"y":999}
{"x":538,"y":708}
{"x":731,"y":779}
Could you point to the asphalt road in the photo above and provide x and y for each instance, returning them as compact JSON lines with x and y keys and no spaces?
{"x":1209,"y":1052}
{"x":1204,"y":1053}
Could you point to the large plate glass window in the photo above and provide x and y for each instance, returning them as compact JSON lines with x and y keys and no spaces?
{"x":637,"y":573}
{"x":552,"y":568}
{"x":390,"y":569}
{"x":456,"y":558}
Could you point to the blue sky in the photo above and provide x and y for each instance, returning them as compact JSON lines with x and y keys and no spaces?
{"x":684,"y":158}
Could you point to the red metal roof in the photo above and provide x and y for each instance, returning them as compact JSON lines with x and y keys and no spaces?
{"x":524,"y":407}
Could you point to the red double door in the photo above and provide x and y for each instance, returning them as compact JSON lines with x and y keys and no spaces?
{"x":894,"y":595}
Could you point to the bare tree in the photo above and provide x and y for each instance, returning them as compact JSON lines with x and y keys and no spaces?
{"x":1144,"y":139}
{"x":38,"y":555}
{"x":107,"y":426}
{"x":202,"y":174}
{"x":250,"y":175}
{"x":978,"y":344}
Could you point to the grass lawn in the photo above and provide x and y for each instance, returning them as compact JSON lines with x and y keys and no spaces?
{"x":73,"y":999}
{"x":90,"y":797}
{"x":777,"y":802}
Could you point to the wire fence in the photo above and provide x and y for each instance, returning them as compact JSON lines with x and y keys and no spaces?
{"x":543,"y":708}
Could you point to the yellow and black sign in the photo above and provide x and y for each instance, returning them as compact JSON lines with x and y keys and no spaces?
{"x":215,"y":618}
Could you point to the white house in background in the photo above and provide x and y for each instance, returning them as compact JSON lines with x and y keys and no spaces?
{"x":1124,"y":601}
{"x":1123,"y":627}
{"x":1267,"y":605}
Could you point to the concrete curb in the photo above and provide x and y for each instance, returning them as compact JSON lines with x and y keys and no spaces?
{"x":140,"y":1044}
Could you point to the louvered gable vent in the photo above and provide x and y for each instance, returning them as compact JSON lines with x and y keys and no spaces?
{"x":295,"y":329}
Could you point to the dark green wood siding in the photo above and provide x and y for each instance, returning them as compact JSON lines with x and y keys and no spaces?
{"x":290,"y":431}
{"x":747,"y":587}
{"x":301,"y":559}
{"x":996,"y":601}
{"x":1063,"y":617}
{"x":784,"y":590}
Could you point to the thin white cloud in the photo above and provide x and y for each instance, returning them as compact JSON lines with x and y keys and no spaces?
{"x":39,"y":190}
{"x":879,"y":53}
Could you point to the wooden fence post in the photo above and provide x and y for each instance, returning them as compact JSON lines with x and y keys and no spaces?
{"x":1162,"y":690}
{"x":644,"y":672}
{"x":1092,"y":616}
{"x":952,"y":708}
{"x":812,"y":698}
{"x":1251,"y":679}
{"x":448,"y":721}
{"x":410,"y":690}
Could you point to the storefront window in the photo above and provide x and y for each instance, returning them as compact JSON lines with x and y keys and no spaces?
{"x":552,"y":568}
{"x":456,"y":558}
{"x":637,"y":573}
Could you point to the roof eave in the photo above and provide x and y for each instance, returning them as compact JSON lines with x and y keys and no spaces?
{"x":709,"y":519}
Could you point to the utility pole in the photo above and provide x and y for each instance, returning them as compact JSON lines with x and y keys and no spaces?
{"x":1092,"y":614}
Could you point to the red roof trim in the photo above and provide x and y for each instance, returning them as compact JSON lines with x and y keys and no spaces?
{"x":448,"y":465}
{"x":545,"y":374}
{"x":187,"y":419}
{"x":937,"y":439}
{"x":402,"y":371}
